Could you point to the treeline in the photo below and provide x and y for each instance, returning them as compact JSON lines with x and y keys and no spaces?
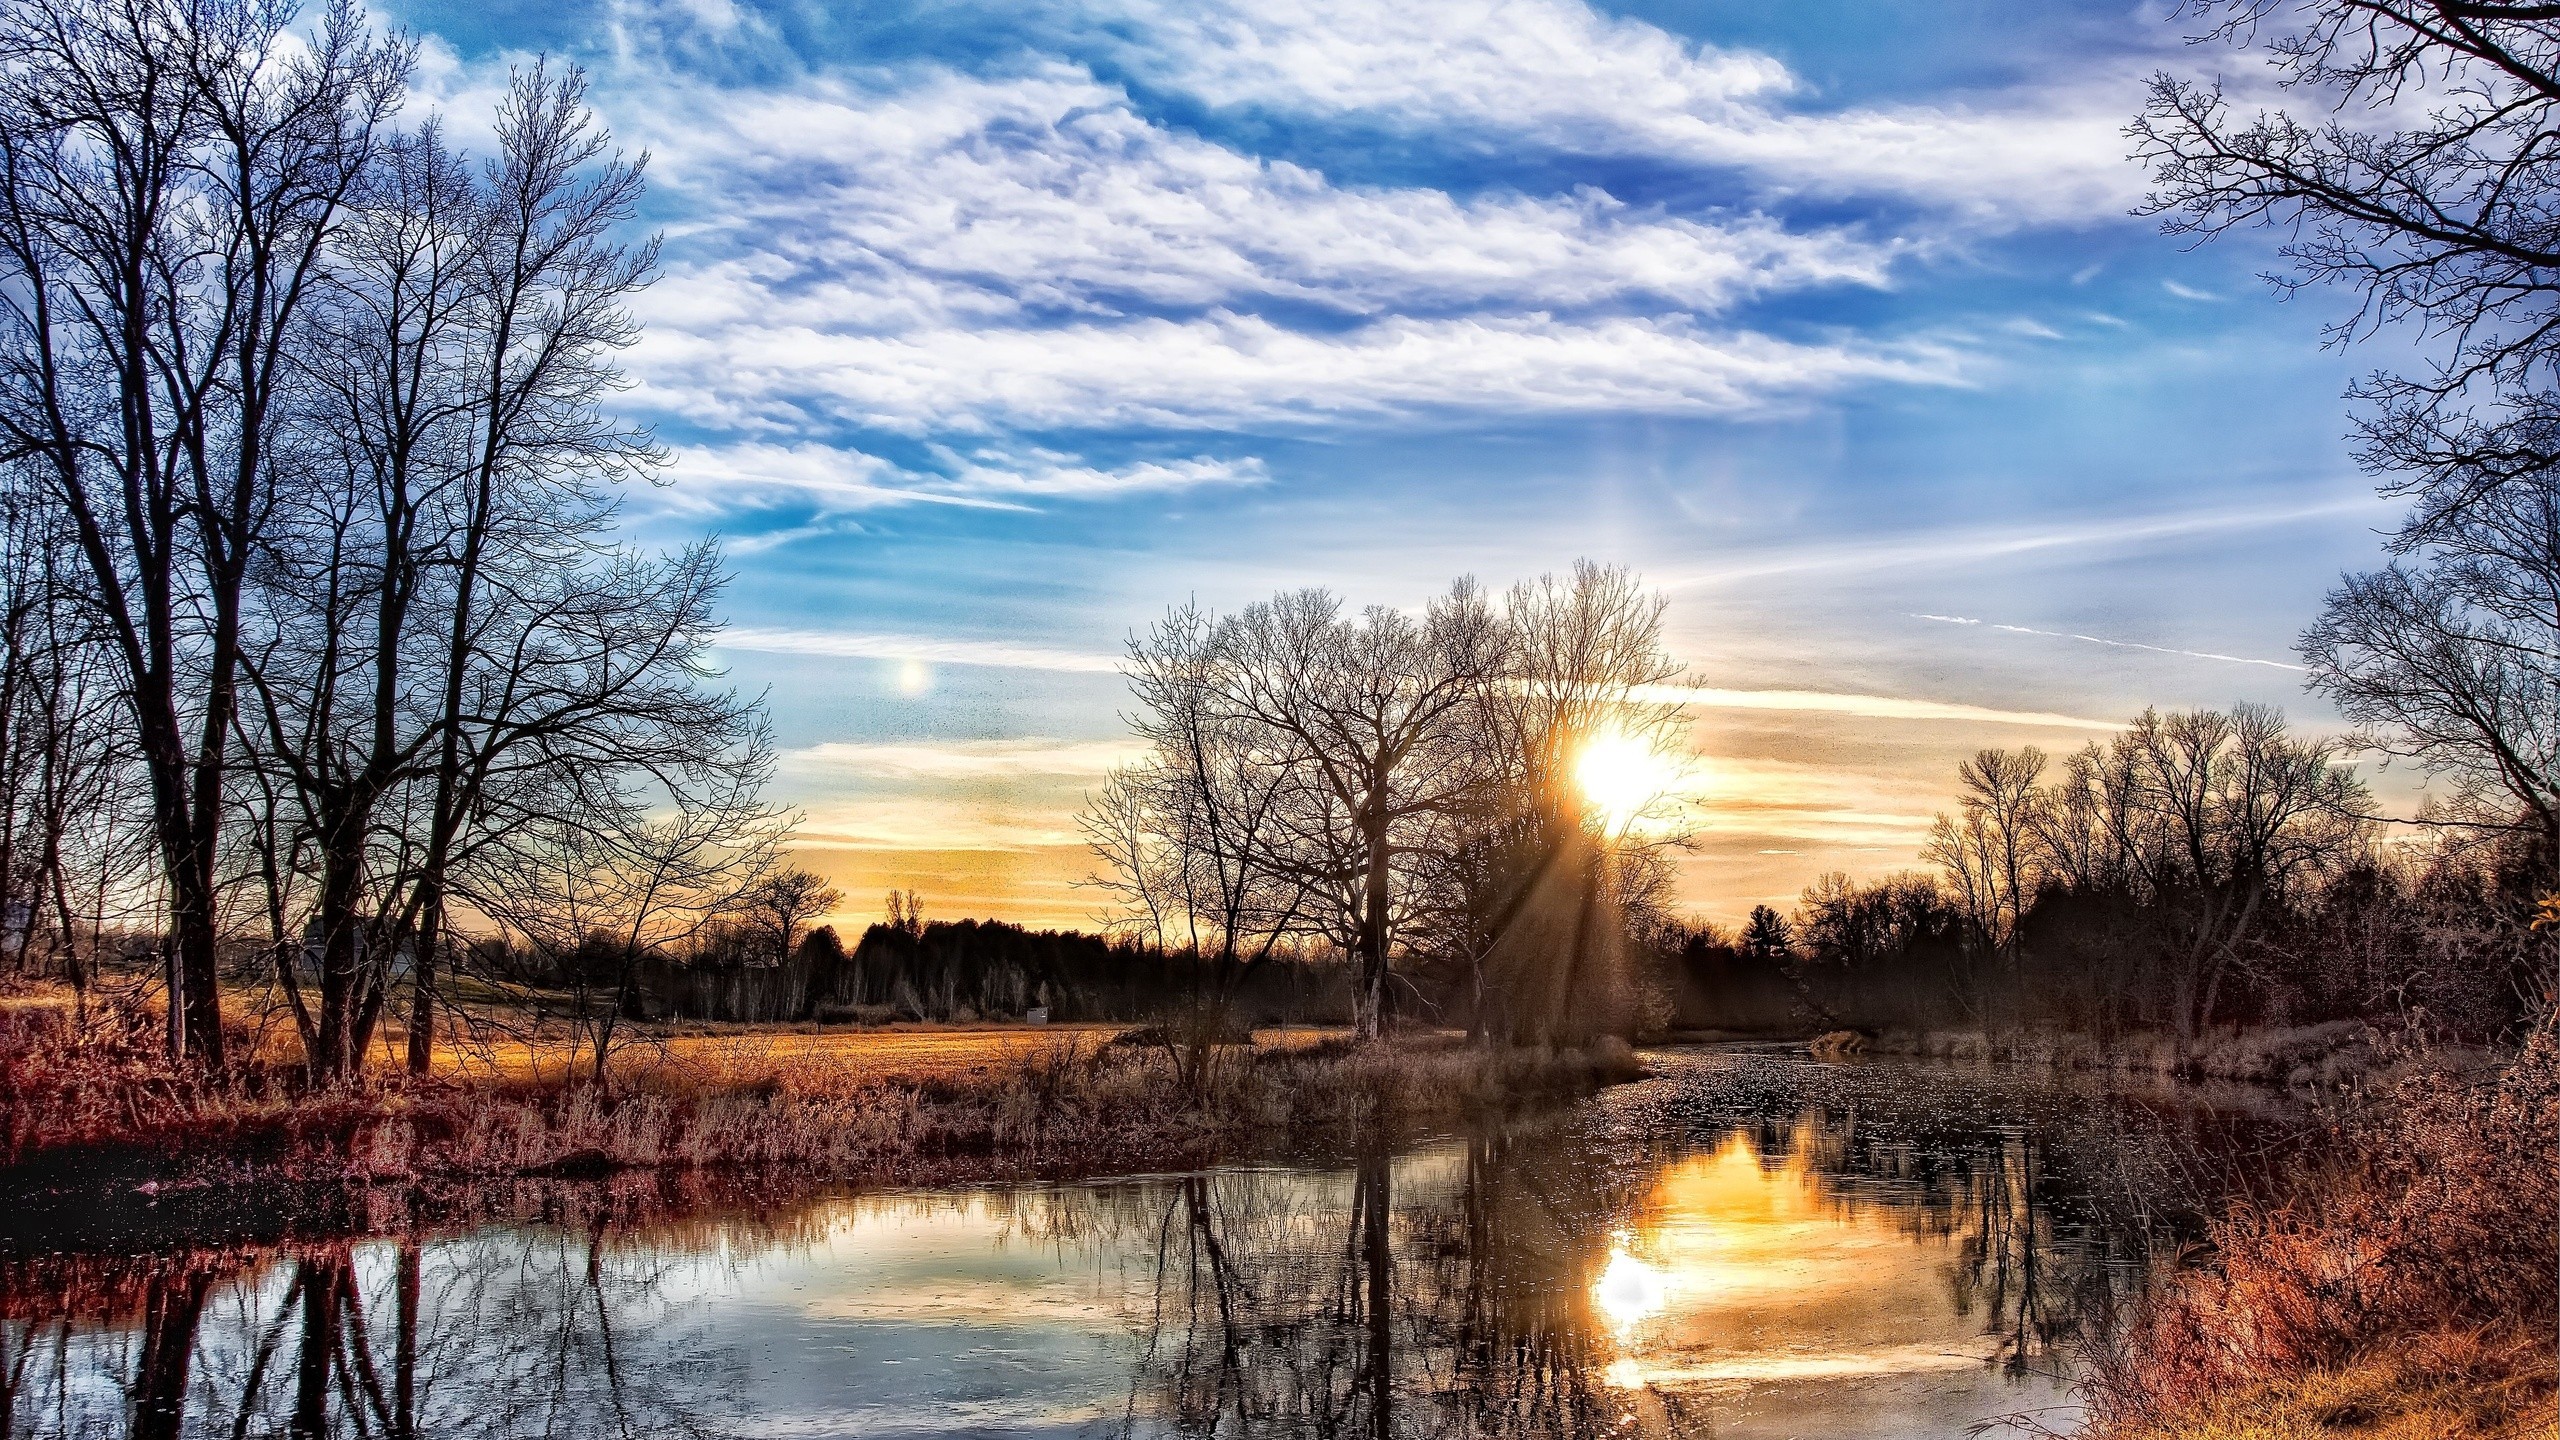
{"x":2202,"y":868}
{"x":957,"y":972}
{"x":317,"y":643}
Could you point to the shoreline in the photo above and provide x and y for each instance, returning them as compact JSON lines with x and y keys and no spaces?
{"x":2334,"y":1055}
{"x":1071,"y":1108}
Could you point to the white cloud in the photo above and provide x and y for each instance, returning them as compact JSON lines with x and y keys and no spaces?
{"x":952,"y":198}
{"x":2115,"y":644}
{"x":937,"y":254}
{"x":834,"y":479}
{"x":926,"y":824}
{"x":1228,"y":370}
{"x":1558,"y":74}
{"x":1763,"y":799}
{"x":1047,"y":474}
{"x":2000,"y":542}
{"x":1878,"y":707}
{"x":951,"y":255}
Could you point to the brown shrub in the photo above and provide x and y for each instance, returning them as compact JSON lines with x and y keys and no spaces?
{"x":2437,"y":1227}
{"x":1838,"y":1045}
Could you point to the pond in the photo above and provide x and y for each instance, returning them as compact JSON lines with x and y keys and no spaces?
{"x":1747,"y":1245}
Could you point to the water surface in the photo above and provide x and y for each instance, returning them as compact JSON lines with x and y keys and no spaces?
{"x":1749,"y":1245}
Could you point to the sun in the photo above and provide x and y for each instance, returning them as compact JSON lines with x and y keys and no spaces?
{"x":1622,"y":776}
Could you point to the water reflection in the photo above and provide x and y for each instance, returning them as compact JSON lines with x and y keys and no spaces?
{"x":500,"y":1333}
{"x":1747,"y":1247}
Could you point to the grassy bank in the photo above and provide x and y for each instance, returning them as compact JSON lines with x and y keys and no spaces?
{"x":1028,"y":1106}
{"x":2410,"y":1288}
{"x":2328,"y":1056}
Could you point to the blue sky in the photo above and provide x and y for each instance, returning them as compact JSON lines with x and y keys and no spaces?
{"x":987,"y":331}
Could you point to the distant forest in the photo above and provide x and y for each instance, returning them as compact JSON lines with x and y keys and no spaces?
{"x":962,"y":971}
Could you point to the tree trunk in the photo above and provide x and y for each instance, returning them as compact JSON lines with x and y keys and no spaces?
{"x":404,"y":1347}
{"x":341,"y":961}
{"x":422,"y":986}
{"x":1372,"y":1003}
{"x":321,"y":1319}
{"x":1378,"y":1263}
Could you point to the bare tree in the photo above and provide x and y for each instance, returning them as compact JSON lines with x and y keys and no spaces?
{"x":444,"y":615}
{"x":1538,"y":882}
{"x":551,"y":284}
{"x":906,"y":913}
{"x":173,"y":174}
{"x":2247,"y":812}
{"x":1989,"y":849}
{"x":1401,"y":786}
{"x":1199,"y":837}
{"x":2426,"y":187}
{"x":784,"y":901}
{"x":1372,"y":714}
{"x":2452,"y":658}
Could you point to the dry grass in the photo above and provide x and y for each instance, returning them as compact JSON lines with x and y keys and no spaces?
{"x":2415,"y":1284}
{"x":911,"y":1054}
{"x":2437,"y":1387}
{"x":862,"y":1105}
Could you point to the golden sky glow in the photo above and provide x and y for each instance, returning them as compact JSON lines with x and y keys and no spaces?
{"x":1772,"y":792}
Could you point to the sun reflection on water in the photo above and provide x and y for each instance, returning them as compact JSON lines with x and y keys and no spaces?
{"x":1629,"y":1291}
{"x":1744,"y":1278}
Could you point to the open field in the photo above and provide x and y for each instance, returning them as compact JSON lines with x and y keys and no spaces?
{"x":519,"y":1048}
{"x":889,"y":1054}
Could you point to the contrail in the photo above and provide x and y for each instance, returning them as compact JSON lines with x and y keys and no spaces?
{"x":1874,"y":707}
{"x":864,"y":646}
{"x":2118,"y":644}
{"x":1937,"y":549}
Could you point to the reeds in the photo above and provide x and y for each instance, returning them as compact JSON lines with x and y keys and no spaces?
{"x":1073,"y":1106}
{"x":2411,"y":1287}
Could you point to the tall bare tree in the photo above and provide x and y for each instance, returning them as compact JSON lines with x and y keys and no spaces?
{"x":1988,"y":849}
{"x":447,"y":610}
{"x":2422,"y":177}
{"x":1199,"y":837}
{"x":174,"y":173}
{"x":1398,"y":786}
{"x":1373,"y":714}
{"x":1537,"y":884}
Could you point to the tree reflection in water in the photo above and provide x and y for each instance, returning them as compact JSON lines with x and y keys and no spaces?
{"x":1467,"y":1289}
{"x":504,"y":1332}
{"x":1743,"y":1248}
